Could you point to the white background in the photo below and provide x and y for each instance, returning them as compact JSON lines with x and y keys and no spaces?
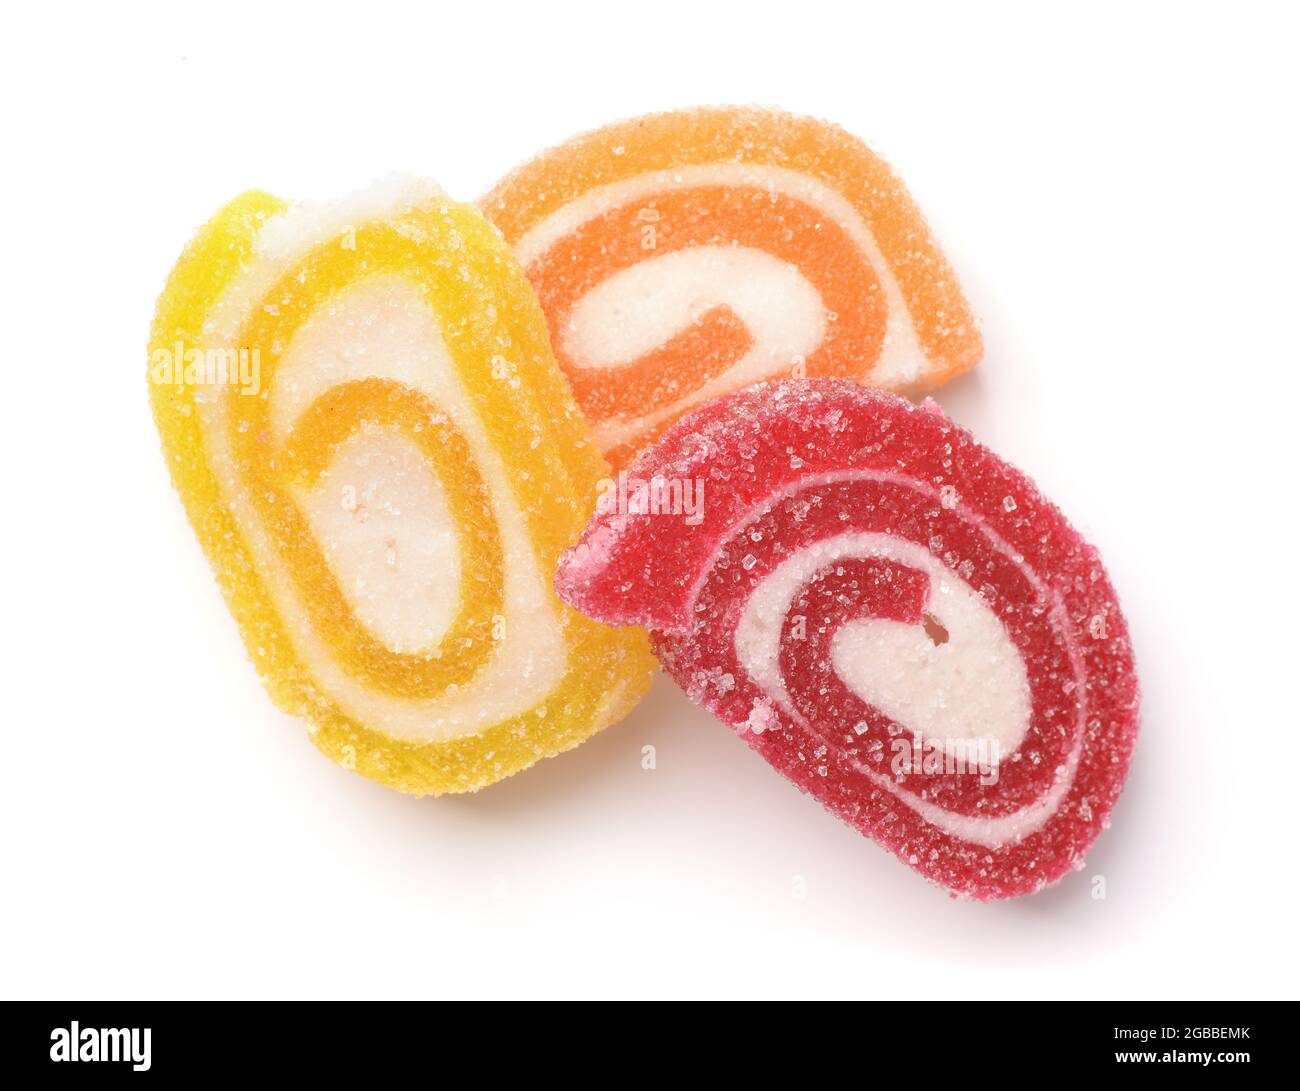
{"x":1117,"y":185}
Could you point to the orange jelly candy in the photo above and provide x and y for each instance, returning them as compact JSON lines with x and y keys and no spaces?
{"x":682,"y":255}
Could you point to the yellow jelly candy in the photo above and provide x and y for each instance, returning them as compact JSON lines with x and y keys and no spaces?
{"x":380,"y":456}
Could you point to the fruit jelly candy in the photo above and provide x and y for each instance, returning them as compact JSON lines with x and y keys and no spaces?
{"x":361,"y":412}
{"x":897,"y":620}
{"x":682,"y":255}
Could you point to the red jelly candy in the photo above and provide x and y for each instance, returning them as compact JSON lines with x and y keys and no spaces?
{"x":891,"y":615}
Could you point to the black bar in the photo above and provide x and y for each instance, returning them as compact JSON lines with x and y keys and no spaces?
{"x":1022,"y":1041}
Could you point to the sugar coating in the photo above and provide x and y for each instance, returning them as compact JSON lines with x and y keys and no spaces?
{"x":682,"y":255}
{"x":871,"y":597}
{"x":384,"y":496}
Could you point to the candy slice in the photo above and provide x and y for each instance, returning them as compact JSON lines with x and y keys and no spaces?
{"x":682,"y":255}
{"x":362,"y":415}
{"x":893,"y":617}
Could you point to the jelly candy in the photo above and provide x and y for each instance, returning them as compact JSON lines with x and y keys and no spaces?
{"x":363,"y":417}
{"x":893,"y":617}
{"x":683,"y":255}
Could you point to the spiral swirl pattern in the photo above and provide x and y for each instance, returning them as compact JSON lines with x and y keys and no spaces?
{"x":384,"y":500}
{"x":682,"y":255}
{"x":893,"y":617}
